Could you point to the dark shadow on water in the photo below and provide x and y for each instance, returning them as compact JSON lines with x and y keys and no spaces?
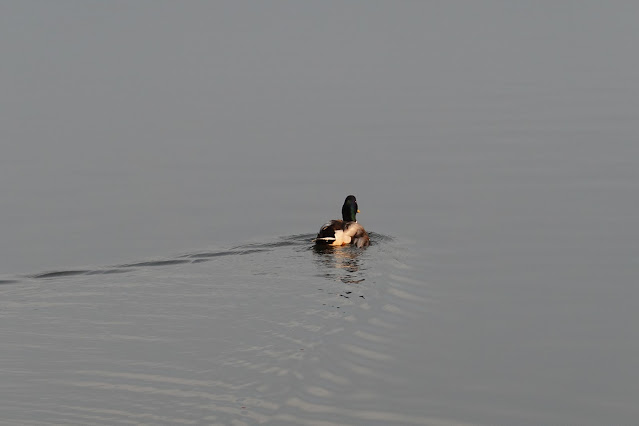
{"x":291,"y":240}
{"x":156,"y":263}
{"x":340,"y":263}
{"x":76,"y":272}
{"x":57,"y":274}
{"x":201,"y":256}
{"x":109,"y":271}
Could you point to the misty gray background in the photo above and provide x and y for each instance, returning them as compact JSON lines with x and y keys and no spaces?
{"x":146,"y":128}
{"x":492,"y":146}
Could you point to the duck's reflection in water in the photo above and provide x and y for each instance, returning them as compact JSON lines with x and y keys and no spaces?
{"x":340,"y":262}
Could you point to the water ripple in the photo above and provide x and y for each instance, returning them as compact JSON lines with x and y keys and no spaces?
{"x":277,"y":332}
{"x":344,"y":259}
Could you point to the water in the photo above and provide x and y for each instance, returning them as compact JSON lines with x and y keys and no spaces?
{"x":164,"y":170}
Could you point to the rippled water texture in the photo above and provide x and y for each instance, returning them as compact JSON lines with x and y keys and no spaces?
{"x":279,"y":333}
{"x":164,"y":167}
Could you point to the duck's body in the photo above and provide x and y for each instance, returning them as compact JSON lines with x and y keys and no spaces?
{"x":345,"y":231}
{"x":340,"y":233}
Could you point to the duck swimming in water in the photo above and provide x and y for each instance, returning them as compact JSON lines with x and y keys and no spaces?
{"x":345,"y":231}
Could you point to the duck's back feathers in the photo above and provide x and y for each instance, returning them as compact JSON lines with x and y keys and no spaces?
{"x":358,"y":236}
{"x":328,"y":230}
{"x":331,"y":233}
{"x":339,"y":233}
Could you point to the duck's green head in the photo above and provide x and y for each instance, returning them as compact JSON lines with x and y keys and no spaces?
{"x":349,"y":209}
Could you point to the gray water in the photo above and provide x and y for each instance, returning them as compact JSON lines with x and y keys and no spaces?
{"x":165,"y":166}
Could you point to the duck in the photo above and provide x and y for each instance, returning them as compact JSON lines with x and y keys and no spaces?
{"x":346,"y":231}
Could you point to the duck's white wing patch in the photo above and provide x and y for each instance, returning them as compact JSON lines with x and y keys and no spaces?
{"x":325,"y":239}
{"x":337,"y":240}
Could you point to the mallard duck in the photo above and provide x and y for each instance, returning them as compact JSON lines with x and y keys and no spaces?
{"x":345,"y":231}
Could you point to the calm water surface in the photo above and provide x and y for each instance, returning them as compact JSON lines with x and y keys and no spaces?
{"x":164,"y":172}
